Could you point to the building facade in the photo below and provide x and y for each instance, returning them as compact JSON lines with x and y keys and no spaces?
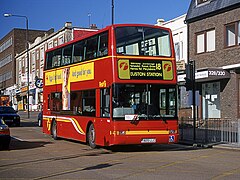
{"x":36,"y":55}
{"x":11,"y":44}
{"x":179,"y":32}
{"x":213,"y":44}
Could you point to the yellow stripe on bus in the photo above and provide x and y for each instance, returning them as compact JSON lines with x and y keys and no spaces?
{"x":74,"y":122}
{"x":142,"y":132}
{"x":151,"y":132}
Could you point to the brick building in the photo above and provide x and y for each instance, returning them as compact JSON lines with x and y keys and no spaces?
{"x":213,"y":43}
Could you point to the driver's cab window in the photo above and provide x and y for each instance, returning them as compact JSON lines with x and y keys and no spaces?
{"x":105,"y":102}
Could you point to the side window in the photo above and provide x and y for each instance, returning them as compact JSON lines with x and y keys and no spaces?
{"x":83,"y":103}
{"x":78,"y":52}
{"x":67,"y":55}
{"x":103,"y":45}
{"x":91,"y":48}
{"x":56,"y":59}
{"x":105,"y":102}
{"x":49,"y":101}
{"x":88,"y":103}
{"x":48,"y":60}
{"x":77,"y":102}
{"x":56,"y":101}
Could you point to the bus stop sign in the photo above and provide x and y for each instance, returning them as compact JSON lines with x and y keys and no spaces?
{"x":39,"y":83}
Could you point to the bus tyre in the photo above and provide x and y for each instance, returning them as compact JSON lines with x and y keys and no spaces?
{"x":91,"y":136}
{"x":54,"y":130}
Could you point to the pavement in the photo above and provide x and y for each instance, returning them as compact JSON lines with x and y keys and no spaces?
{"x":32,"y":115}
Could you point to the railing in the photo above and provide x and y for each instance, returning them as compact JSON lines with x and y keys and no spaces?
{"x":210,"y":131}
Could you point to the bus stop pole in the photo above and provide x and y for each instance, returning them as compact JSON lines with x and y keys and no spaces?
{"x":194,"y":101}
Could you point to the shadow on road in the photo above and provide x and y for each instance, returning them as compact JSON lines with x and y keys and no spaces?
{"x":149,"y":148}
{"x":18,"y":145}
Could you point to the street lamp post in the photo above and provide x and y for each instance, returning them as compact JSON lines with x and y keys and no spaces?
{"x":28,"y":67}
{"x":112,"y":12}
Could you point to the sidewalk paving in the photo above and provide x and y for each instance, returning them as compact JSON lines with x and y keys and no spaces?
{"x":32,"y":115}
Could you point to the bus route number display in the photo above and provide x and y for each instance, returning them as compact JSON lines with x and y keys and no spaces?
{"x":155,"y":70}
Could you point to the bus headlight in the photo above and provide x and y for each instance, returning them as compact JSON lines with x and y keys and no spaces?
{"x":122,"y":132}
{"x":172,"y":131}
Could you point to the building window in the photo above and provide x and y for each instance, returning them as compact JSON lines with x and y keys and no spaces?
{"x":177,"y":50}
{"x":55,"y":43}
{"x":205,"y":41}
{"x":60,"y":40}
{"x":6,"y":44}
{"x":37,"y":54}
{"x":200,"y":43}
{"x":41,"y":53}
{"x":6,"y":60}
{"x":210,"y":40}
{"x":201,"y":1}
{"x":50,"y":45}
{"x":232,"y":34}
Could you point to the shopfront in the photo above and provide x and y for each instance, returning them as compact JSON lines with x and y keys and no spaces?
{"x":209,"y":85}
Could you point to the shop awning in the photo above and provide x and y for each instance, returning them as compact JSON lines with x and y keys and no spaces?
{"x":23,"y":93}
{"x":209,"y":74}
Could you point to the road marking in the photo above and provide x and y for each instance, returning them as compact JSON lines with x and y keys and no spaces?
{"x":227,"y":173}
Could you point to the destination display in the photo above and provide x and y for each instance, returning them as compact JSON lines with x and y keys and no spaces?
{"x":145,"y":69}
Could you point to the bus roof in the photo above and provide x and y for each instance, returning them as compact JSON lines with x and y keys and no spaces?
{"x":102,"y":30}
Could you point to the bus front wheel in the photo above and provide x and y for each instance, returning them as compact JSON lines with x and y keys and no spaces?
{"x":91,"y":136}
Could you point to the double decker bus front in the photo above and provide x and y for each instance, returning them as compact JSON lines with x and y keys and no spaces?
{"x":144,"y":94}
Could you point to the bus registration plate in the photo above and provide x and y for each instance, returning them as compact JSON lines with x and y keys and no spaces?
{"x":148,"y":140}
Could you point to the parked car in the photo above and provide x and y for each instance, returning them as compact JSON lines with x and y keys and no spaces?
{"x":9,"y":115}
{"x":40,"y":116}
{"x":4,"y":135}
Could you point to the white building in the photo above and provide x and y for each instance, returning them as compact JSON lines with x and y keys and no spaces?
{"x":179,"y":32}
{"x":36,"y":54}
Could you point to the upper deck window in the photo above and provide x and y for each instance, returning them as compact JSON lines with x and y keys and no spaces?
{"x":86,"y":49}
{"x":144,"y":41}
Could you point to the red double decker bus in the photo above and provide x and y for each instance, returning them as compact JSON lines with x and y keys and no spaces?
{"x":116,"y":86}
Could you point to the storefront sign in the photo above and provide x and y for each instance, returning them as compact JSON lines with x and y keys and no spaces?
{"x":155,"y":70}
{"x":210,"y":74}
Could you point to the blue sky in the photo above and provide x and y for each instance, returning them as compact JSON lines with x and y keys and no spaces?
{"x":46,"y":14}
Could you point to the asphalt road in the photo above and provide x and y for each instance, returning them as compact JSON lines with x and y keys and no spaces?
{"x":34,"y":155}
